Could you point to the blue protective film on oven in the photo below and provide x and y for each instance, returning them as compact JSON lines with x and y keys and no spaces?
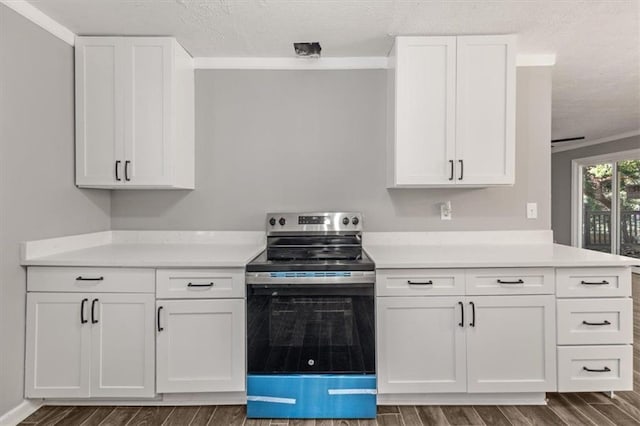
{"x":311,"y":396}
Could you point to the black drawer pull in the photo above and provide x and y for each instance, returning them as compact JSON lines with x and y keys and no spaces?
{"x":510,"y":282}
{"x":159,"y":327}
{"x":461,"y":323}
{"x":605,"y":322}
{"x":451,"y":174}
{"x":603,"y":282}
{"x":117,"y":169}
{"x":126,"y":170}
{"x":419,"y":282}
{"x":596,"y":370}
{"x":81,"y":278}
{"x":82,"y":319}
{"x":200,"y":285}
{"x":93,"y":311}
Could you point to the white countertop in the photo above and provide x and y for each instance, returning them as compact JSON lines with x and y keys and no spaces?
{"x":176,"y":249}
{"x":480,"y":249}
{"x":146,"y":249}
{"x":490,"y":255}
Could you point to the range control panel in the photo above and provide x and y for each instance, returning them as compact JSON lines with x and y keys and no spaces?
{"x":314,"y":222}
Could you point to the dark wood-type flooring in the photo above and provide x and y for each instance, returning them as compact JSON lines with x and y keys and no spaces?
{"x":562,"y":409}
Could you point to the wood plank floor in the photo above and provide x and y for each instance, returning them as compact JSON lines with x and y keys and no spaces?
{"x":562,"y":409}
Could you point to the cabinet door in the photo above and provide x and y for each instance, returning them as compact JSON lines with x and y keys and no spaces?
{"x":485,"y":109}
{"x":148,"y":69}
{"x":201,"y":345}
{"x":421,"y":345}
{"x":57,"y":346}
{"x":122,"y":345}
{"x":99,"y":111}
{"x":511,"y":344}
{"x":425,"y":110}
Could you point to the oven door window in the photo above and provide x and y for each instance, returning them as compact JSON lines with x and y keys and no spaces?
{"x":311,"y":328}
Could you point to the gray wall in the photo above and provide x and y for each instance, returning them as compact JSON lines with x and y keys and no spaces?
{"x":561,"y":177}
{"x":37,"y":192}
{"x":315,"y":140}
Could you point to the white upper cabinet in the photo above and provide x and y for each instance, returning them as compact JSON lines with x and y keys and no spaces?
{"x":134,"y":113}
{"x":451,"y":111}
{"x":486,"y":110}
{"x":425,"y":109}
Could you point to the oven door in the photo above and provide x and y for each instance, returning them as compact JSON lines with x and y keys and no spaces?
{"x":310,"y":328}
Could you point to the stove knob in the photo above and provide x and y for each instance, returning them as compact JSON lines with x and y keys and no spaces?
{"x":345,"y":221}
{"x":272,"y":221}
{"x":282,"y":221}
{"x":355,"y":221}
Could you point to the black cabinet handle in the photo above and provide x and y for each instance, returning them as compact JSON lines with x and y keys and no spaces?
{"x":473,"y":314}
{"x":510,"y":282}
{"x":597,"y":370}
{"x":603,"y":282}
{"x":82,"y":319}
{"x":159,"y":328}
{"x":419,"y":282}
{"x":200,"y":285}
{"x":605,"y":322}
{"x":118,"y":170}
{"x":81,"y":278}
{"x":126,"y":170}
{"x":451,"y":173}
{"x":93,"y":311}
{"x":461,"y":169}
{"x":461,"y":323}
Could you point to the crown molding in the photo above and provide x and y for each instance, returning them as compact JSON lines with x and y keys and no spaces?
{"x":567,"y":146}
{"x":292,"y":63}
{"x":38,"y":17}
{"x":330,"y":63}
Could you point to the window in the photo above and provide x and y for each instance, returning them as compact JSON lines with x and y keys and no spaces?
{"x":606,"y":203}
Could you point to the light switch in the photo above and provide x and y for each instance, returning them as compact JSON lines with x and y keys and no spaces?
{"x":532,"y":210}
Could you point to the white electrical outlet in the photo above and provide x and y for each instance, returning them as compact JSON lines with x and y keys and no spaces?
{"x":445,"y":211}
{"x":532,"y":210}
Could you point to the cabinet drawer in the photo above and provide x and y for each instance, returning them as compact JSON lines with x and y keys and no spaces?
{"x":593,"y":282}
{"x":419,"y":282}
{"x":612,"y":368}
{"x":104,"y":280}
{"x":510,"y":281}
{"x":199,"y":283}
{"x":595,"y":321}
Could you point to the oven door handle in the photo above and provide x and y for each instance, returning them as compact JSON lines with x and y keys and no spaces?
{"x":311,"y":290}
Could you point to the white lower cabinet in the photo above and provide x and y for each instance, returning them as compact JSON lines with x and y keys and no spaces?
{"x":595,"y":329}
{"x":421,"y":345}
{"x":201,"y":345}
{"x":89,"y":345}
{"x":122,"y":346}
{"x":511,"y":344}
{"x":58,"y":350}
{"x":595,"y":368}
{"x":466,"y":344}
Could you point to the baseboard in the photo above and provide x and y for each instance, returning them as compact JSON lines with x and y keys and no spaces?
{"x":21,"y":412}
{"x":530,"y":398}
{"x":214,"y":398}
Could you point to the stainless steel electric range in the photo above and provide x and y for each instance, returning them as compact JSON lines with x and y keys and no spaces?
{"x":310,"y":320}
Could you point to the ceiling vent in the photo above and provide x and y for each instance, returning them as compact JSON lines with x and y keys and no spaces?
{"x":307,"y":50}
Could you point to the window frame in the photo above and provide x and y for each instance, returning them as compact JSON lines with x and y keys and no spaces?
{"x":577,"y":214}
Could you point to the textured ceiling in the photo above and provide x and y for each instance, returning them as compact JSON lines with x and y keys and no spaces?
{"x":596,"y":87}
